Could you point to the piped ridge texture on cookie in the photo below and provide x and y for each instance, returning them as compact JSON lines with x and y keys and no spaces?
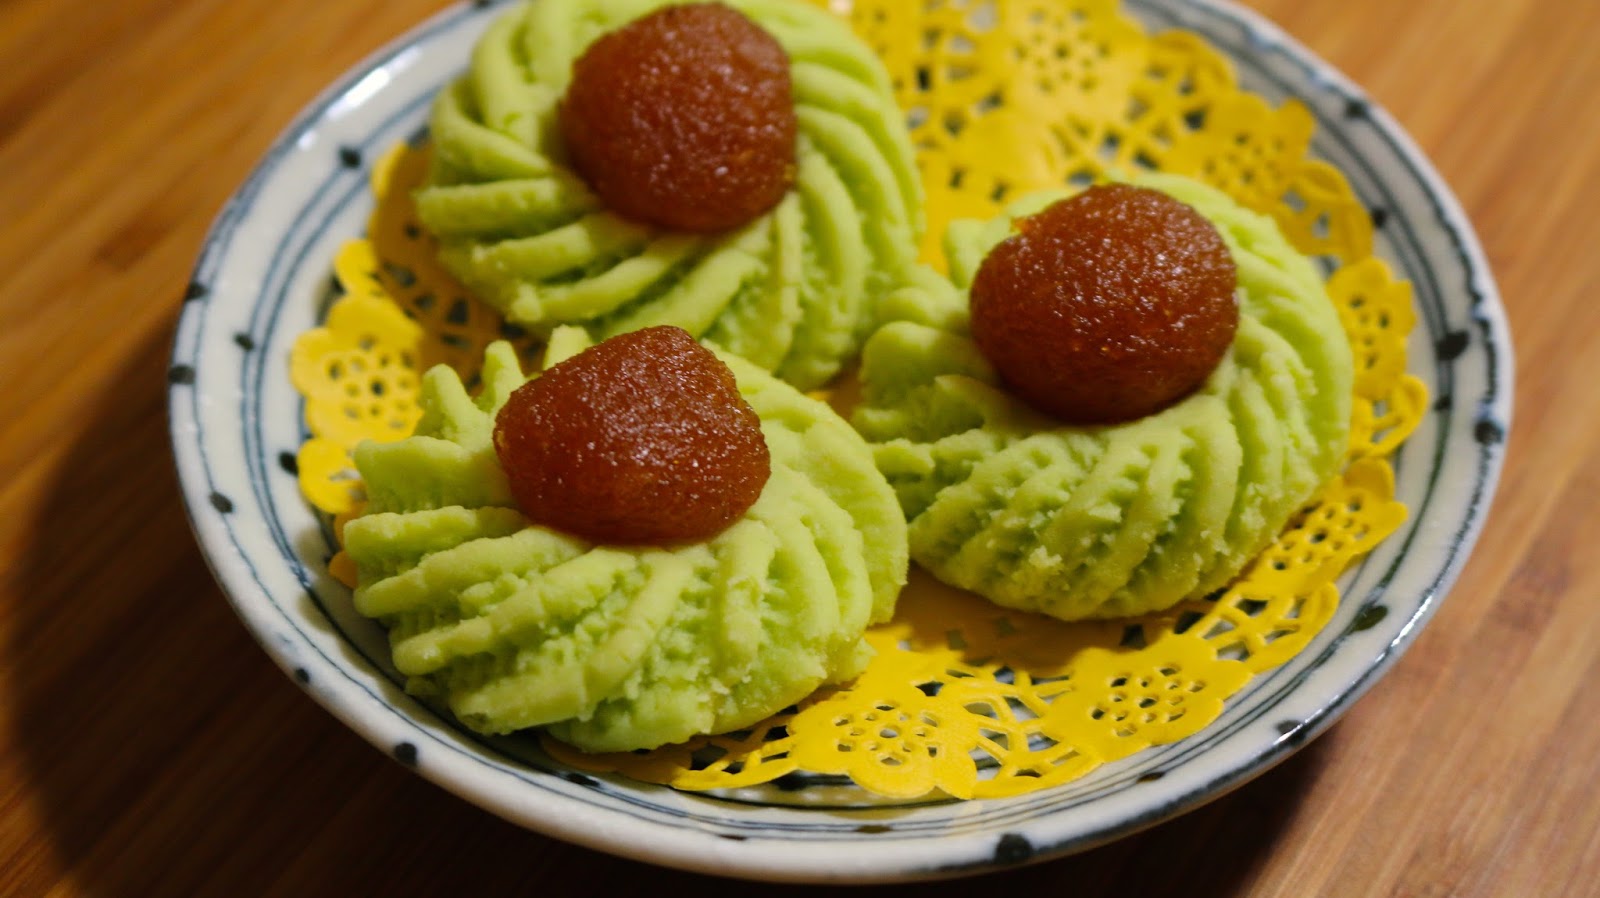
{"x":622,"y":647}
{"x":793,"y":291}
{"x":1106,"y":521}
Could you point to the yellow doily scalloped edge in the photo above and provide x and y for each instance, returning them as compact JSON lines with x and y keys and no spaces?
{"x":964,"y":698}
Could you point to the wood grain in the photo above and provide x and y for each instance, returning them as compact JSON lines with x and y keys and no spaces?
{"x":148,"y":747}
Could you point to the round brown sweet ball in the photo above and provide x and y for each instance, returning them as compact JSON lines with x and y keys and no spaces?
{"x":684,"y":118}
{"x":643,"y":438}
{"x":1107,"y":306}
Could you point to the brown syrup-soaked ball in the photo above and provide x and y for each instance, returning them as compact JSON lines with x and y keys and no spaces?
{"x":684,"y":119}
{"x":643,"y":438}
{"x":1107,"y":306}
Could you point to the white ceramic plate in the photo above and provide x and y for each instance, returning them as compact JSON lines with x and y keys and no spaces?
{"x":236,"y":424}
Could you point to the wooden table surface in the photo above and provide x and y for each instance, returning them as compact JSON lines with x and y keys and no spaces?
{"x":149,"y":747}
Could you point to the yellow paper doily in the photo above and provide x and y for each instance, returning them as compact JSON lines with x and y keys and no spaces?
{"x":965,"y":698}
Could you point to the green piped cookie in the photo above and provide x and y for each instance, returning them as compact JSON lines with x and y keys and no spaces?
{"x":793,"y":291}
{"x":618,"y":647}
{"x":1106,"y":521}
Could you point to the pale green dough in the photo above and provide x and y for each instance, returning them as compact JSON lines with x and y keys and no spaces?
{"x":1106,"y":521}
{"x":793,"y":292}
{"x":615,"y":647}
